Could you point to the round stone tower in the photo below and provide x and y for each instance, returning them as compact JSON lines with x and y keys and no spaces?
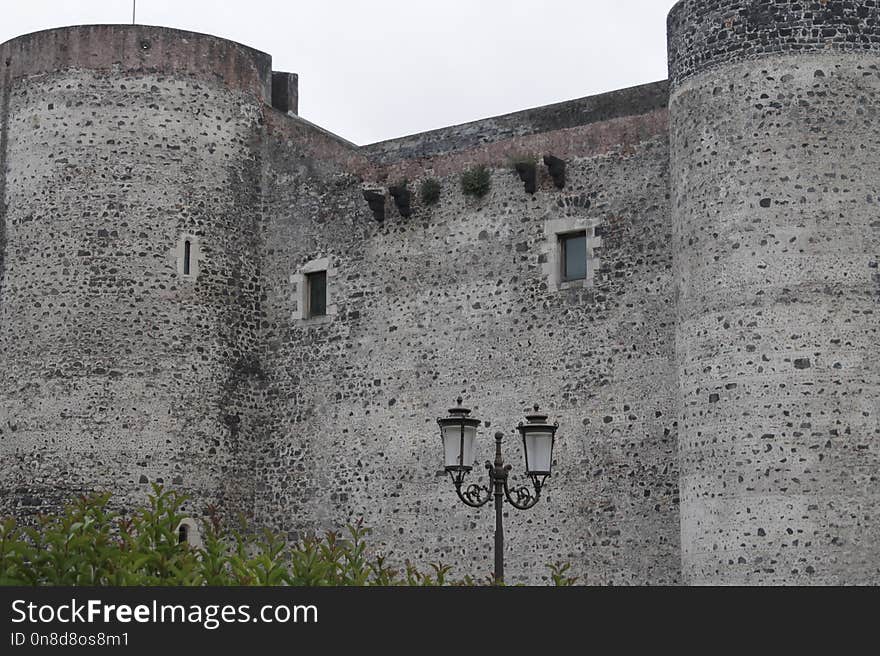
{"x":129,"y":300}
{"x":775,"y":144}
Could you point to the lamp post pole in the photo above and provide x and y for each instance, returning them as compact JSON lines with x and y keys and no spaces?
{"x":458,"y":432}
{"x":499,"y":476}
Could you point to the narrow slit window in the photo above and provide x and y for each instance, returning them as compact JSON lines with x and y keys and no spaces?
{"x":574,"y":256}
{"x":183,"y":534}
{"x":187,"y":256}
{"x":317,"y":293}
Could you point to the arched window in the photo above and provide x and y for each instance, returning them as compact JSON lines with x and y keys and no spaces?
{"x":187,"y":254}
{"x":188,"y":533}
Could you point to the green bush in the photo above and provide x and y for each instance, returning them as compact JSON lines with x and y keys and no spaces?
{"x":91,"y":545}
{"x":523,"y":160}
{"x":476,"y":181}
{"x":429,"y":191}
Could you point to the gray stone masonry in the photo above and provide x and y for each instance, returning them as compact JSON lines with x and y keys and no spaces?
{"x":774,"y":137}
{"x":715,"y":375}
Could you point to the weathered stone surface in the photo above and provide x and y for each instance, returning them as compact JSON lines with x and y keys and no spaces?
{"x":705,"y":34}
{"x":774,"y":179}
{"x":115,"y":368}
{"x":731,"y":292}
{"x":446,"y":303}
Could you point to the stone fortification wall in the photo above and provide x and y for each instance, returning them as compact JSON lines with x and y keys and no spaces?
{"x":461,"y":298}
{"x":774,"y":143}
{"x":121,"y":369}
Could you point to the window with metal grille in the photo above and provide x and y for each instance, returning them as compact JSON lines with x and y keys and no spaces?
{"x":317,"y":293}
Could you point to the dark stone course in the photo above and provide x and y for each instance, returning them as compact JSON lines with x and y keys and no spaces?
{"x":705,"y":34}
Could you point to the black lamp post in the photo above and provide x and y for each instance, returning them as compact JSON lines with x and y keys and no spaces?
{"x":458,"y":433}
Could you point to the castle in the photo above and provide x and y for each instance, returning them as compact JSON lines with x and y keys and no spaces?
{"x":198,"y":288}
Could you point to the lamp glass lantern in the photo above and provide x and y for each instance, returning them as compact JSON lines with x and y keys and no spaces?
{"x":538,"y":438}
{"x":458,"y":431}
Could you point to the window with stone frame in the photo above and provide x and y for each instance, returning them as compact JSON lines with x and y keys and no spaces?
{"x":188,"y":254}
{"x":315,"y":286}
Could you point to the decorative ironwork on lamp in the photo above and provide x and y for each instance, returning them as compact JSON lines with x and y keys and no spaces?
{"x":458,"y":433}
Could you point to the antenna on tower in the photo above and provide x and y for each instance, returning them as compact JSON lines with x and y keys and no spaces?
{"x":133,"y":11}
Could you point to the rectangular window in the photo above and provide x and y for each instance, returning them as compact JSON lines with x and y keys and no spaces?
{"x":573,"y":249}
{"x":317,"y":293}
{"x":187,"y":255}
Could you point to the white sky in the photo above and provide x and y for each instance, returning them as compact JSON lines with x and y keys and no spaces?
{"x":377,"y":69}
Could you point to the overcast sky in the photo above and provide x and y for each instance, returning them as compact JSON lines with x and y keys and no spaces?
{"x":377,"y":69}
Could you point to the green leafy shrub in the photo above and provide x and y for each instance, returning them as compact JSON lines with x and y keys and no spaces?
{"x":523,"y":160}
{"x":91,"y":545}
{"x":429,"y":191}
{"x":559,"y":574}
{"x":476,"y":181}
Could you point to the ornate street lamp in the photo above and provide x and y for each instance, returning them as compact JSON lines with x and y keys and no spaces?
{"x":458,"y":433}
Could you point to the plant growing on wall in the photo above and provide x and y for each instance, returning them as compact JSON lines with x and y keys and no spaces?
{"x":476,"y":181}
{"x":429,"y":191}
{"x":523,"y":160}
{"x":527,"y":169}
